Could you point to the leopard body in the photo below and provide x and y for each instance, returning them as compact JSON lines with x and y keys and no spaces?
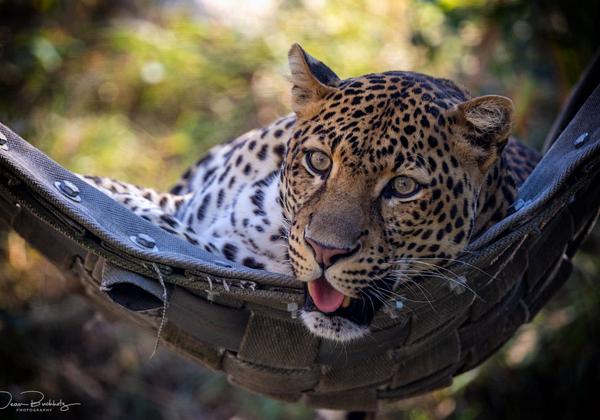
{"x":346,"y":231}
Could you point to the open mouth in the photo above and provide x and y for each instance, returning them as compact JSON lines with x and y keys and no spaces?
{"x":324,"y":298}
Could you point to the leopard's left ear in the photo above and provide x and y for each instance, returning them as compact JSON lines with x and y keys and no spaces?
{"x":484,"y":124}
{"x":312,"y":81}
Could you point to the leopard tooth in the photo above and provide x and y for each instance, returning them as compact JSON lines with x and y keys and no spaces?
{"x":346,"y":301}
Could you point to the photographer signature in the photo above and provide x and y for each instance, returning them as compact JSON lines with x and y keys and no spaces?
{"x":36,"y":402}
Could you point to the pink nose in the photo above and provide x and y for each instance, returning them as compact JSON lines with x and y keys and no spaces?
{"x":326,"y":255}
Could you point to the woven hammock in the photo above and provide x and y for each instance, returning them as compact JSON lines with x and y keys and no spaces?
{"x":244,"y":322}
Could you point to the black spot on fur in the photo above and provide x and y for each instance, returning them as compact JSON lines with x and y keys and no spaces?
{"x":201,"y":213}
{"x":230,"y":251}
{"x":247,"y":169}
{"x":252,"y":263}
{"x":262,"y":153}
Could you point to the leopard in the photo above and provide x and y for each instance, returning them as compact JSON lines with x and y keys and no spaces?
{"x":369,"y":178}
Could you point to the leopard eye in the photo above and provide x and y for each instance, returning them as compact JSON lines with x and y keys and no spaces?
{"x":404,"y":187}
{"x":318,"y":162}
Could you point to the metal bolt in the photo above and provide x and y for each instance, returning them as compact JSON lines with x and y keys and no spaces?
{"x":68,"y":189}
{"x":144,"y":240}
{"x":293,"y":310}
{"x":580,"y":141}
{"x":519,"y":204}
{"x":394,"y":308}
{"x":458,"y":285}
{"x":3,"y":141}
{"x":399,"y":305}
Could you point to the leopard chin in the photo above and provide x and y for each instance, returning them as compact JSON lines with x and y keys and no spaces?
{"x":331,"y":315}
{"x":334,"y":328}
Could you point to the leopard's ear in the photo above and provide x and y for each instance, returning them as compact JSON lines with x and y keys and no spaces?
{"x":484,"y":124}
{"x":312,"y":81}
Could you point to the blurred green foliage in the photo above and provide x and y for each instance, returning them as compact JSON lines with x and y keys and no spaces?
{"x":94,"y":83}
{"x":138,"y":90}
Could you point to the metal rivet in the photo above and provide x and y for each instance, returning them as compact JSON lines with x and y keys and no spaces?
{"x":293,"y":309}
{"x":394,"y":308}
{"x":3,"y":141}
{"x":68,"y":189}
{"x":580,"y":141}
{"x":144,"y":240}
{"x":519,"y":204}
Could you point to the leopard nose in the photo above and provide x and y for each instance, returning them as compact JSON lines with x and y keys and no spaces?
{"x":325,"y":255}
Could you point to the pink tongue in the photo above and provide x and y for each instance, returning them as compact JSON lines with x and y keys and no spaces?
{"x":326,"y":298}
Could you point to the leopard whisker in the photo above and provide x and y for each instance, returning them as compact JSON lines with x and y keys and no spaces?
{"x":441,"y":275}
{"x":451,"y":260}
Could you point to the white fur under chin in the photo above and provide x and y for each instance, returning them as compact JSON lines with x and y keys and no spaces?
{"x":332,"y":328}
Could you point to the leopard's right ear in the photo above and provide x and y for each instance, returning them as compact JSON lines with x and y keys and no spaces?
{"x":312,"y":81}
{"x":484,"y":126}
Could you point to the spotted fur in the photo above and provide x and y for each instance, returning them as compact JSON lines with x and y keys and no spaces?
{"x":256,"y":201}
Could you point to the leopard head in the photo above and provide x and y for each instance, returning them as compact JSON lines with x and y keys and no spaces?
{"x":380,"y":179}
